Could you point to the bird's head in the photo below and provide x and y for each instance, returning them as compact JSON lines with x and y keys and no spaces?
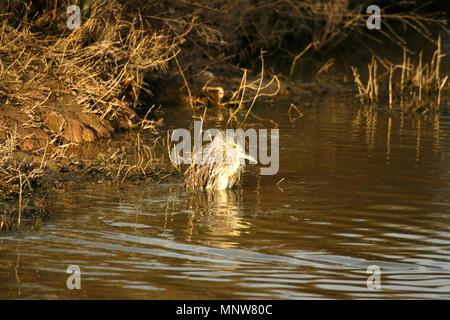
{"x":233,"y":151}
{"x":225,"y":149}
{"x":238,"y":152}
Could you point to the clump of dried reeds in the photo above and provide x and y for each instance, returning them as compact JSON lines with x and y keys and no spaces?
{"x":223,"y":29}
{"x":99,"y":68}
{"x":243,"y":98}
{"x":16,"y":172}
{"x":136,"y":164}
{"x":423,"y":81}
{"x":419,"y":86}
{"x":369,"y":92}
{"x":106,"y":57}
{"x":259,"y":89}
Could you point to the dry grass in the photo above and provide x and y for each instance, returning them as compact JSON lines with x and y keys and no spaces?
{"x":62,"y":87}
{"x":102,"y":65}
{"x":419,"y":86}
{"x":369,"y":92}
{"x":259,"y":90}
{"x":13,"y":170}
{"x":424,"y":80}
{"x":16,"y":172}
{"x":242,"y":98}
{"x":221,"y":29}
{"x":135,"y":164}
{"x":100,"y":72}
{"x":99,"y":67}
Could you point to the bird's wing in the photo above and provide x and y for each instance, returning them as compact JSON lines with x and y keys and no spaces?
{"x":197,"y":176}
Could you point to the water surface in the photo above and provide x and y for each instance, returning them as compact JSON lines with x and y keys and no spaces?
{"x":361,"y":187}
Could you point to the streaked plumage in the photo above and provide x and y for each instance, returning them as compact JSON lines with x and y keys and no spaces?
{"x":219,"y":167}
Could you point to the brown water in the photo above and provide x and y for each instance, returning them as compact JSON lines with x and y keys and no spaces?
{"x":360,"y":188}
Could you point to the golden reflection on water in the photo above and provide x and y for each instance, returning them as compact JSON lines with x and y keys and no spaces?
{"x":359,"y":186}
{"x":366,"y":119}
{"x":215,"y":212}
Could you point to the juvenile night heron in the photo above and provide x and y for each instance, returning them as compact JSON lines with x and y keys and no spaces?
{"x":219,"y":166}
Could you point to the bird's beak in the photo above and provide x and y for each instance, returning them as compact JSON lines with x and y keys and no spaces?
{"x":250,"y":158}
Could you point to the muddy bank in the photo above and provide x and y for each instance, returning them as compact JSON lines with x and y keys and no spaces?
{"x":31,"y":181}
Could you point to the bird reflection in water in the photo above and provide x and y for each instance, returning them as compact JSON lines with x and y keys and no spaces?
{"x":216,"y":213}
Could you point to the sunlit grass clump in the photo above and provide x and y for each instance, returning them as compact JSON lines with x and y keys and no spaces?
{"x":417,"y":87}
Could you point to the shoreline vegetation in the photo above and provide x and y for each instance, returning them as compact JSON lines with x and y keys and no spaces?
{"x":60,"y":88}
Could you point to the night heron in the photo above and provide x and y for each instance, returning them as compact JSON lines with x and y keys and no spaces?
{"x":218,"y":166}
